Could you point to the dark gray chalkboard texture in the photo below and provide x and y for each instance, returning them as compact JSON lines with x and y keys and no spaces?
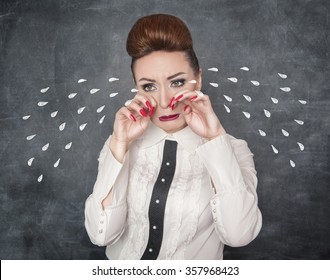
{"x":64,"y":73}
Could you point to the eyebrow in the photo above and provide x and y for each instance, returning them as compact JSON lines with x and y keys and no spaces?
{"x":168,"y":78}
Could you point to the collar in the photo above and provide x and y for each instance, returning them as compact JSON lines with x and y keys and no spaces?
{"x":185,"y":137}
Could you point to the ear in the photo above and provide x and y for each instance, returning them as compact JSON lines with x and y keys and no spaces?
{"x":199,"y":80}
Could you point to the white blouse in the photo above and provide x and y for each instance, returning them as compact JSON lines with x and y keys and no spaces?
{"x":212,"y":200}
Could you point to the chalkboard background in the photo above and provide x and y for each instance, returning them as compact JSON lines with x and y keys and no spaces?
{"x":271,"y":89}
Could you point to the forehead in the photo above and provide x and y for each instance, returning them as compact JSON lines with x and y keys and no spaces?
{"x":160,"y":63}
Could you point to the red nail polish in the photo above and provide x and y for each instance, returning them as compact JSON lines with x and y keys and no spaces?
{"x":132,"y":117}
{"x":179,"y":97}
{"x":149,"y":105}
{"x":143,"y":112}
{"x":173,"y":107}
{"x":151,"y":111}
{"x":171,"y":103}
{"x":193,"y":98}
{"x":185,"y":107}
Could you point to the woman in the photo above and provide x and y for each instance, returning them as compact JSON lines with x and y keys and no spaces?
{"x":209,"y":198}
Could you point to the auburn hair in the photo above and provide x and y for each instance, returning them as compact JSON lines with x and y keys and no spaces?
{"x":160,"y":32}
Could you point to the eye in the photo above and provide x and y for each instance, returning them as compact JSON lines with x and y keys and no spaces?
{"x":148,"y":87}
{"x":178,"y":83}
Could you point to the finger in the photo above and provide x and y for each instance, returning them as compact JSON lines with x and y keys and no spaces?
{"x":126,"y":113}
{"x":199,"y":102}
{"x":146,"y":101}
{"x":181,"y":96}
{"x":200,"y":96}
{"x":186,"y":96}
{"x":186,"y":109}
{"x":139,"y":109}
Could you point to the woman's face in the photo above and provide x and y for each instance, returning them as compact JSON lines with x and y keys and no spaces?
{"x":161,"y":75}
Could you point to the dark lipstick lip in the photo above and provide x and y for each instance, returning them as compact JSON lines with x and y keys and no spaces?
{"x":169,"y":117}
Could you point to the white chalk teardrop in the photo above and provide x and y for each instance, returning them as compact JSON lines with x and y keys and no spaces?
{"x":30,"y":137}
{"x":292,"y":163}
{"x":285,"y":133}
{"x":113,"y":94}
{"x":247,"y":115}
{"x":283,"y":76}
{"x":267,"y":113}
{"x":40,"y":178}
{"x":99,"y":110}
{"x":80,"y":110}
{"x":228,"y":98}
{"x":113,"y":79}
{"x":256,"y":83}
{"x":275,"y":101}
{"x":274,"y":149}
{"x":26,"y":117}
{"x":57,"y":163}
{"x":81,"y":81}
{"x":45,"y":148}
{"x":285,"y":89}
{"x":30,"y":161}
{"x":72,"y":95}
{"x":82,"y":127}
{"x":44,"y":90}
{"x":262,"y":133}
{"x":42,"y":103}
{"x":214,"y":84}
{"x":248,"y":98}
{"x":213,"y":69}
{"x":299,"y":122}
{"x":227,"y":109}
{"x":134,"y":90}
{"x":303,"y":102}
{"x":245,"y":68}
{"x":233,"y":79}
{"x":62,"y":126}
{"x":68,"y":146}
{"x":94,"y":90}
{"x":301,"y":146}
{"x":102,"y":119}
{"x":53,"y":114}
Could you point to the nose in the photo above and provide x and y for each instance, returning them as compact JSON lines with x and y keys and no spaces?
{"x":165,"y":98}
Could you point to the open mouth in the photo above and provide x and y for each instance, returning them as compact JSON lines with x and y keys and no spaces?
{"x":169,"y":117}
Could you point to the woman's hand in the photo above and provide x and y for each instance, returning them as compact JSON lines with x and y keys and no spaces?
{"x":199,"y":114}
{"x":130,"y":123}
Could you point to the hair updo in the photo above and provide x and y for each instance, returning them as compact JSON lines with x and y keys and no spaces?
{"x":160,"y":32}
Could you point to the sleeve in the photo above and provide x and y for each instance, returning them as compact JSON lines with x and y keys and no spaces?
{"x":234,"y":206}
{"x":105,"y":226}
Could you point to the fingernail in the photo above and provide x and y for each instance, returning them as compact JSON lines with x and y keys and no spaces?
{"x":193,"y":98}
{"x":151,"y":111}
{"x":185,"y":107}
{"x":143,"y":112}
{"x":173,"y":107}
{"x":179,"y":97}
{"x":149,"y":105}
{"x":132,"y":117}
{"x":171,"y":103}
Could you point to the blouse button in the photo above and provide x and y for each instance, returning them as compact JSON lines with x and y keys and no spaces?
{"x":163,"y":180}
{"x":150,"y":250}
{"x":157,"y":201}
{"x":214,"y":210}
{"x":167,"y":163}
{"x":154,"y":227}
{"x":100,"y":231}
{"x":214,"y":202}
{"x":101,"y":222}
